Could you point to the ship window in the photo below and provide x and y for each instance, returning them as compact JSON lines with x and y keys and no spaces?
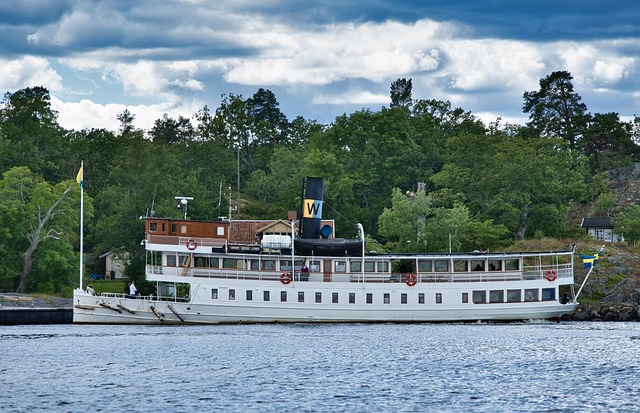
{"x":465,"y":298}
{"x":227,"y":263}
{"x":314,"y":266}
{"x":285,"y":265}
{"x":356,"y":266}
{"x":283,"y":296}
{"x":201,"y":262}
{"x":341,"y":266}
{"x":153,"y":226}
{"x":383,"y":266}
{"x":221,"y":231}
{"x":269,"y":265}
{"x":249,"y":295}
{"x":514,"y":296}
{"x":424,"y":266}
{"x":301,"y":296}
{"x":183,"y":229}
{"x":171,"y":260}
{"x":438,"y":298}
{"x":240,"y":264}
{"x":403,"y":298}
{"x":214,"y":263}
{"x":495,"y":265}
{"x":174,"y":228}
{"x":531,"y":294}
{"x":255,"y":264}
{"x":479,"y":297}
{"x":511,"y":264}
{"x":477,"y":265}
{"x":386,"y":298}
{"x":164,"y":227}
{"x":318,"y":297}
{"x":460,"y":265}
{"x":369,"y":298}
{"x":183,"y":260}
{"x":266,"y":296}
{"x":352,"y":298}
{"x":232,"y":294}
{"x":496,"y":296}
{"x":548,"y":294}
{"x":214,"y":293}
{"x":441,"y":265}
{"x":334,"y":298}
{"x":420,"y":298}
{"x":369,"y":266}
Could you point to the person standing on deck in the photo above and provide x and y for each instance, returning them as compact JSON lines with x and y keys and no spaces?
{"x":132,"y":289}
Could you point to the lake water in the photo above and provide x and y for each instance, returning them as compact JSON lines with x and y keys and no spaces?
{"x":521,"y":367}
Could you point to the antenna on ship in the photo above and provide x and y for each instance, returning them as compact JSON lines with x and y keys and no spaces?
{"x":183,"y":201}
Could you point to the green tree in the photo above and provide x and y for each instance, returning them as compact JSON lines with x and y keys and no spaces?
{"x":401,"y":94}
{"x":47,"y":215}
{"x":30,"y":135}
{"x":556,"y":109}
{"x":627,"y":223}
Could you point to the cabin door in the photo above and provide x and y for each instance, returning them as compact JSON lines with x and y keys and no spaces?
{"x":327,"y":270}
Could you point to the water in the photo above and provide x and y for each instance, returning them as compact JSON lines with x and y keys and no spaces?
{"x":523,"y":367}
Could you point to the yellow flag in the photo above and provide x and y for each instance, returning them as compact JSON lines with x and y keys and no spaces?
{"x":80,"y":176}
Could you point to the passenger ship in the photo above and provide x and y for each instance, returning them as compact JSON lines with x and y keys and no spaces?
{"x":295,"y":271}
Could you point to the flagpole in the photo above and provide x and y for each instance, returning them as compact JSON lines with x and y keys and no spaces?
{"x":81,"y":219}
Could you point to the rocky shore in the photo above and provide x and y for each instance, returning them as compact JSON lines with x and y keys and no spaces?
{"x":604,"y":312}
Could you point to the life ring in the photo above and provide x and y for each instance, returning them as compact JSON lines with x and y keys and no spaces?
{"x":285,"y":278}
{"x":411,"y":280}
{"x":550,"y":275}
{"x":191,"y":244}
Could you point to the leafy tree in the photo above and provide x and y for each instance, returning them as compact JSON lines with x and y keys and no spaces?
{"x":30,"y":135}
{"x":401,"y":94}
{"x":45,"y":213}
{"x":556,"y":109}
{"x":628,"y":224}
{"x":607,"y":142}
{"x":168,"y":131}
{"x":404,"y":224}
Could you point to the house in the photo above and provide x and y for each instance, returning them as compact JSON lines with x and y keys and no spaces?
{"x":114,"y":265}
{"x":601,"y":229}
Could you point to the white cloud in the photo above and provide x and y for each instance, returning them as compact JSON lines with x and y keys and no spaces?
{"x":354,"y":97}
{"x":28,"y":71}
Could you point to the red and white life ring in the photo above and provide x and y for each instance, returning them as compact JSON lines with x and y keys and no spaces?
{"x":411,"y":280}
{"x":285,"y":278}
{"x":550,"y":275}
{"x":192,"y":244}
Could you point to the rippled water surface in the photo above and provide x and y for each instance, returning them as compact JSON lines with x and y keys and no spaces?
{"x":568,"y":367}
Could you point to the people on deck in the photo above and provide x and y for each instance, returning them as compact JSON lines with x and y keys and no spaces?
{"x":133,"y":291}
{"x":90,"y":290}
{"x":304,"y":273}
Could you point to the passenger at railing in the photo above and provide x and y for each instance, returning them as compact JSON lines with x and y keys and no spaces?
{"x":127,"y":289}
{"x":304,"y":272}
{"x":478,"y":267}
{"x":133,"y":291}
{"x":565,"y":298}
{"x":90,"y":290}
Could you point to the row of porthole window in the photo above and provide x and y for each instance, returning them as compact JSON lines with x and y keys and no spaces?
{"x":479,"y":296}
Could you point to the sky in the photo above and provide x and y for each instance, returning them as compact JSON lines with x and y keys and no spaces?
{"x":321,"y":59}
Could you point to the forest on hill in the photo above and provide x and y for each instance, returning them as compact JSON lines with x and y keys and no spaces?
{"x":420,"y":175}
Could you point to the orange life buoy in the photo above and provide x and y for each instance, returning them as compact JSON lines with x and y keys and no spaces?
{"x":411,"y":280}
{"x":285,"y":278}
{"x":191,"y":244}
{"x":550,"y":275}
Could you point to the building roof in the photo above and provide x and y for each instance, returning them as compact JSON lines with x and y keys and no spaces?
{"x":598,"y":222}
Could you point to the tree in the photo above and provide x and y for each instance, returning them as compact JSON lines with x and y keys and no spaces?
{"x":401,"y":94}
{"x":608,"y":143}
{"x":30,"y":135}
{"x":628,"y":224}
{"x":168,"y":131}
{"x":556,"y":109}
{"x":45,"y":213}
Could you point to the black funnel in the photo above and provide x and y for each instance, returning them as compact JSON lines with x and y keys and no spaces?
{"x":312,"y":208}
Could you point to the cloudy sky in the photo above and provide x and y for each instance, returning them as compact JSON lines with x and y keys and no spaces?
{"x":320,"y":58}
